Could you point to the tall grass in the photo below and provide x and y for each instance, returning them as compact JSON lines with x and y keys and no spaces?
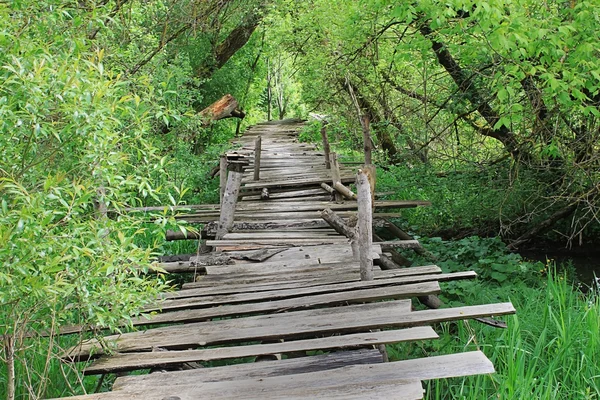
{"x":550,"y":350}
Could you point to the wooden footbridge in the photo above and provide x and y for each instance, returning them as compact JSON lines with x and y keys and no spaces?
{"x":282,"y":284}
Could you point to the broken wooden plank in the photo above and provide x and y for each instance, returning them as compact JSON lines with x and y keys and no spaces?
{"x":283,"y":242}
{"x":341,"y":278}
{"x":132,"y":361}
{"x":208,"y":383}
{"x":296,"y":324}
{"x":399,"y":244}
{"x":296,"y":303}
{"x":200,"y":298}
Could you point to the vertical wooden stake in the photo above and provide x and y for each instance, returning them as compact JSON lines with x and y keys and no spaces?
{"x":257,"y":151}
{"x":230,"y":198}
{"x":371,"y":172}
{"x":326,"y":147}
{"x":365,"y":226}
{"x":222,"y":176}
{"x":335,"y":174}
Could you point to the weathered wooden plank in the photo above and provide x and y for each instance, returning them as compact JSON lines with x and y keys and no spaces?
{"x":311,"y":384}
{"x":436,"y":367}
{"x":278,"y":205}
{"x":270,"y":216}
{"x":289,"y":194}
{"x":133,"y":361}
{"x":258,"y":286}
{"x":282,"y":234}
{"x":283,"y":242}
{"x":353,"y":318}
{"x":256,"y":270}
{"x":200,"y":299}
{"x":295,"y":303}
{"x":399,"y":244}
{"x":264,"y":327}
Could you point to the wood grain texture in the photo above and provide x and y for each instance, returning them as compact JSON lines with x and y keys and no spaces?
{"x":349,"y":381}
{"x":189,"y":314}
{"x":133,"y":361}
{"x":297,"y":324}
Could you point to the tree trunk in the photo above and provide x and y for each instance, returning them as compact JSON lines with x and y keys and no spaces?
{"x":10,"y":367}
{"x":226,"y":107}
{"x":468,"y":88}
{"x":544,"y":225}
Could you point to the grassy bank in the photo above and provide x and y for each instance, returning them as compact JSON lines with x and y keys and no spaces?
{"x":550,"y":348}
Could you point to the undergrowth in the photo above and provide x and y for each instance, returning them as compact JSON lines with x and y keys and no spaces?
{"x":550,"y":347}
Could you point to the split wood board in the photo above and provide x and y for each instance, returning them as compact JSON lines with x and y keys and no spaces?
{"x":313,"y":235}
{"x":436,"y":367}
{"x":269,"y":285}
{"x":296,"y":324}
{"x":296,"y":303}
{"x":199,"y":299}
{"x":283,"y":242}
{"x":288,"y":194}
{"x":396,"y":380}
{"x":133,"y":361}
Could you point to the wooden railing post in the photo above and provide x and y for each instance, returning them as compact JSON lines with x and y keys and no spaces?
{"x":257,"y":151}
{"x":335,"y":174}
{"x":365,"y":225}
{"x":326,"y":147}
{"x":230,"y":197}
{"x":222,"y":176}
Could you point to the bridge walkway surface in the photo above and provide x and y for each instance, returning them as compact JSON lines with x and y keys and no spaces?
{"x":280,"y":297}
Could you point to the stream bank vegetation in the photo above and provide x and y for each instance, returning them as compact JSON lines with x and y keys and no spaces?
{"x":489,"y":109}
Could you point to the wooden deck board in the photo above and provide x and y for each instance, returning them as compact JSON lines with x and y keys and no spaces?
{"x":190,"y":312}
{"x":354,"y":381}
{"x":309,"y":294}
{"x":133,"y":361}
{"x":295,"y":324}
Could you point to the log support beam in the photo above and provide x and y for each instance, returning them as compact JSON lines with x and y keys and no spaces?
{"x":257,"y":152}
{"x":326,"y":147}
{"x":230,"y":197}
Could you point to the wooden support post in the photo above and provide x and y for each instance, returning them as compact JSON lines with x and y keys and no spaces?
{"x":365,"y":226}
{"x":257,"y":151}
{"x":222,"y":176}
{"x":335,"y":174}
{"x":371,"y":172}
{"x":326,"y":147}
{"x":230,"y":197}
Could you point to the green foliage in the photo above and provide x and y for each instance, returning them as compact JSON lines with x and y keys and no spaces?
{"x":486,"y":256}
{"x":547,"y":352}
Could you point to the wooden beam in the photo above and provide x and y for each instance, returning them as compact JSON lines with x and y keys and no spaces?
{"x":134,"y":361}
{"x":230,"y":197}
{"x":257,"y":151}
{"x":335,"y":174}
{"x":296,"y":324}
{"x":326,"y":148}
{"x":222,"y":176}
{"x":365,"y":226}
